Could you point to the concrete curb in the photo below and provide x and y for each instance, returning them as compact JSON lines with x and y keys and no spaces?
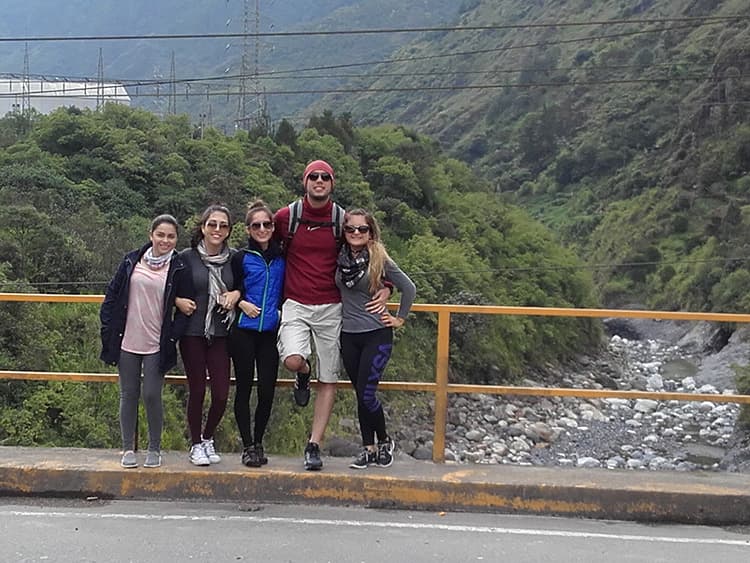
{"x":694,"y":498}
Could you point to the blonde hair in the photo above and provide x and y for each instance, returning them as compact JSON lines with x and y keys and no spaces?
{"x":376,"y":249}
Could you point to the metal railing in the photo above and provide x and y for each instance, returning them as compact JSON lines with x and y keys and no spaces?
{"x":441,"y":388}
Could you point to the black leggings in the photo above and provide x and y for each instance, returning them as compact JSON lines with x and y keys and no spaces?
{"x":365,"y":356}
{"x":251,"y":349}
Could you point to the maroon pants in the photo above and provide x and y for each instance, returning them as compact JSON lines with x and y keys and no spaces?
{"x":202,"y":359}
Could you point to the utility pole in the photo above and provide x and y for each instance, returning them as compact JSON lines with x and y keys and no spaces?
{"x":202,"y":117}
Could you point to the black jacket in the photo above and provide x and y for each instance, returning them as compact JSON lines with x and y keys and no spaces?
{"x":114,"y":311}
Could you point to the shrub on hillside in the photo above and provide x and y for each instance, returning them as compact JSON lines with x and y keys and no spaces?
{"x":742,"y":380}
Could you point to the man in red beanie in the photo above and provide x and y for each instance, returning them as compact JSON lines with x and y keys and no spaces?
{"x":311,"y":312}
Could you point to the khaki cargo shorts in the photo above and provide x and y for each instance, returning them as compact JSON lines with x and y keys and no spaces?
{"x":307,"y":327}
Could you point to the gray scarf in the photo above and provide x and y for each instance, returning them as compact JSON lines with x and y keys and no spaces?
{"x":156,"y":262}
{"x":216,"y":287}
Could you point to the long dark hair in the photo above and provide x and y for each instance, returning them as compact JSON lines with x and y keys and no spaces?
{"x":197,"y":236}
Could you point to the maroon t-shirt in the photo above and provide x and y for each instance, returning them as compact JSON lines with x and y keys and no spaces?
{"x":310,"y":256}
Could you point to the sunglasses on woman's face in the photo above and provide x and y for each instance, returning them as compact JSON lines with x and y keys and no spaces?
{"x":217,"y":225}
{"x":357,"y":229}
{"x":314,"y":177}
{"x":267,"y":225}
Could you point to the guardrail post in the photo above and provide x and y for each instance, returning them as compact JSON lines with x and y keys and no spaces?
{"x":441,"y":386}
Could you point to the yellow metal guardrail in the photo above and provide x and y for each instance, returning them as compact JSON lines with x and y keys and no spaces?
{"x":441,"y":388}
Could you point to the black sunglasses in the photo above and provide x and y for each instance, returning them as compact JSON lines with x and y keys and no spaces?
{"x":357,"y":228}
{"x":314,"y":176}
{"x":267,"y":225}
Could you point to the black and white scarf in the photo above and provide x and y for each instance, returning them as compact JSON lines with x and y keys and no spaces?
{"x":352,"y":268}
{"x":216,"y":286}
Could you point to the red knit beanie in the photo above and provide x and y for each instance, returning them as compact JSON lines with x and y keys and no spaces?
{"x":318,"y":165}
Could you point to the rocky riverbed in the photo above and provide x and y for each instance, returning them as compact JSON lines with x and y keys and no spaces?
{"x":639,"y":434}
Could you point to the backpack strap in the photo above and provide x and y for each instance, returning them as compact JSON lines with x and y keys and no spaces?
{"x":337,"y":218}
{"x":295,"y":218}
{"x":295,"y":214}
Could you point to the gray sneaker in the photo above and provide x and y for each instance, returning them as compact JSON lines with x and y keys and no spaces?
{"x":153,"y":459}
{"x":129,"y":460}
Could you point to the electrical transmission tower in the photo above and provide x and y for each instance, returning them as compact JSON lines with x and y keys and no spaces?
{"x":260,"y":118}
{"x":261,"y":114}
{"x":242,"y":102}
{"x":26,"y":85}
{"x":172,"y":109}
{"x":100,"y":81}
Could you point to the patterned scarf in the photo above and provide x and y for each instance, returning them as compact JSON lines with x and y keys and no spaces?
{"x":352,"y":268}
{"x":216,"y":287}
{"x":156,"y":262}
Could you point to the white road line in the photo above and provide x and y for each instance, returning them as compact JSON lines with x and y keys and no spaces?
{"x":366,"y":524}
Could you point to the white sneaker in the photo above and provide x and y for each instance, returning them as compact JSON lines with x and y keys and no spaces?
{"x":198,"y":455}
{"x":208,"y":447}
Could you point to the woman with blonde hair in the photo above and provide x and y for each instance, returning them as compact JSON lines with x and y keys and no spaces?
{"x":366,"y":338}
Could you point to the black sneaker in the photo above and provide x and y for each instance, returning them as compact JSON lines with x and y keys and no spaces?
{"x":250,"y":457}
{"x":365,"y":458}
{"x":385,"y":453}
{"x":261,"y":454}
{"x":312,"y":457}
{"x":302,"y":388}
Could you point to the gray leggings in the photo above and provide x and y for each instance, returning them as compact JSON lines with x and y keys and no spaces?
{"x":130,"y":389}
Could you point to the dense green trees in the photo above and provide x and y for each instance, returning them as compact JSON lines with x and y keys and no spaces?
{"x":79,"y":189}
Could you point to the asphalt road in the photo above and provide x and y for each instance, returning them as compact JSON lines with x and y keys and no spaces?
{"x":95,"y":530}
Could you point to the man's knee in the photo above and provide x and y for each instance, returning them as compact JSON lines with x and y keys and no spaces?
{"x":326,"y":389}
{"x":295,"y":363}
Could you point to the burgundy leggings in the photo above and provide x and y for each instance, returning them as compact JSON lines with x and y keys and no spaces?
{"x":201,"y":358}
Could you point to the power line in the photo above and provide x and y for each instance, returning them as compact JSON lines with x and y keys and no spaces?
{"x":353,"y":90}
{"x":511,"y":269}
{"x":271,"y":75}
{"x":592,"y":267}
{"x":692,"y":21}
{"x":70,"y":92}
{"x":446,"y":55}
{"x":480,"y":51}
{"x":385,"y":90}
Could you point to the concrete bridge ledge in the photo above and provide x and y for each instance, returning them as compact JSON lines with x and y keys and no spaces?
{"x":694,"y":498}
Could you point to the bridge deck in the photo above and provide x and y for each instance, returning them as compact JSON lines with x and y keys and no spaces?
{"x":699,"y":498}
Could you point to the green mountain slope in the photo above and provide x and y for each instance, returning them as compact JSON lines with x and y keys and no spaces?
{"x":630,"y":141}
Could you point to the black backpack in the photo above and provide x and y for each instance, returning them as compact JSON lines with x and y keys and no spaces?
{"x":295,"y":218}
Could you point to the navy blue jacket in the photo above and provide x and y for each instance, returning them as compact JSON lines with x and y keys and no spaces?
{"x":114,"y":311}
{"x":262,"y":275}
